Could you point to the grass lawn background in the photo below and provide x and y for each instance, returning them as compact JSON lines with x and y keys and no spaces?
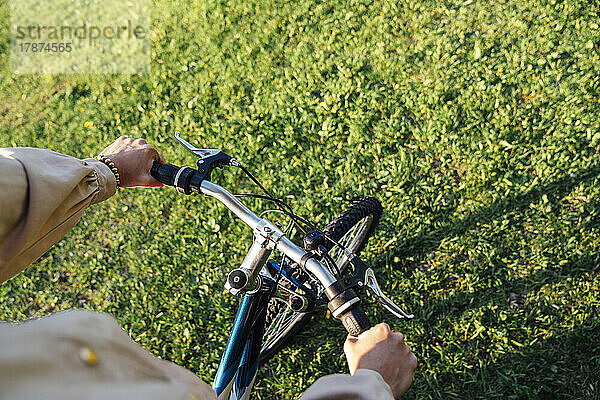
{"x":475,"y":123}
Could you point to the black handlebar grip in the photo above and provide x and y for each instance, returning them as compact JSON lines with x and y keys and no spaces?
{"x":355,"y":321}
{"x":164,"y":173}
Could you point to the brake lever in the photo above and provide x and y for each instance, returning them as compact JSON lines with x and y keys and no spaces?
{"x":365,"y":277}
{"x":216,"y":156}
{"x":371,"y":284}
{"x":208,"y":160}
{"x":200,"y":153}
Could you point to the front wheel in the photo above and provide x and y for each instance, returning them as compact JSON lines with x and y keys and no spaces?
{"x":352,"y":229}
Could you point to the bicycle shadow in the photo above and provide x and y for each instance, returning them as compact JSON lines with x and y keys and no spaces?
{"x":540,"y":360}
{"x":509,"y":292}
{"x":574,"y":265}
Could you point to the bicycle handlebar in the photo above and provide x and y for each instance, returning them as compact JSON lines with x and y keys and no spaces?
{"x":184,"y":179}
{"x":187,"y":180}
{"x":164,"y":173}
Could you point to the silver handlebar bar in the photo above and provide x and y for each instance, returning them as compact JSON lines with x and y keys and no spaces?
{"x":231,"y":202}
{"x":275,"y":236}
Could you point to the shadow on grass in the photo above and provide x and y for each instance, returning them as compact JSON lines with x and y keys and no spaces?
{"x":535,"y":372}
{"x":566,"y":365}
{"x":423,"y":244}
{"x":455,"y":304}
{"x":516,"y":288}
{"x":532,"y":372}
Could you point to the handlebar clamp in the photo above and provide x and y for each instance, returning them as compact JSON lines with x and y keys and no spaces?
{"x":182,"y":179}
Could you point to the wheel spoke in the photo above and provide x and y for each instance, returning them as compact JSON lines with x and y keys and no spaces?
{"x":280,"y":325}
{"x":351,"y":240}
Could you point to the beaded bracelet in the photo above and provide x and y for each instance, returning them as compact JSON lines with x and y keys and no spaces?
{"x":111,"y":165}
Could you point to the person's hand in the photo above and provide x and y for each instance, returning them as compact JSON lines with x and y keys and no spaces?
{"x":133,"y":159}
{"x":383,"y":351}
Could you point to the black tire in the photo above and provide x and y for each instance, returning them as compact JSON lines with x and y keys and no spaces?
{"x":360,"y":219}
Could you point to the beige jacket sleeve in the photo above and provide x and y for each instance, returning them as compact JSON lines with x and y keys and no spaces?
{"x":42,"y":195}
{"x":83,"y":354}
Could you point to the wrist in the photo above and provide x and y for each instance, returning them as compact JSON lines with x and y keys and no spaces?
{"x":106,"y":160}
{"x":107,"y":183}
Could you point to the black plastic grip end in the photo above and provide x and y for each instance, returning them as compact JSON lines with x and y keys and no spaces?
{"x":164,"y":173}
{"x":355,"y":321}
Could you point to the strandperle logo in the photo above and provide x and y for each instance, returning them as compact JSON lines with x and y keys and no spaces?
{"x":86,"y":36}
{"x":91,"y":33}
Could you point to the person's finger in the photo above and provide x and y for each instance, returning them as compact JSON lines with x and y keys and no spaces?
{"x":383,"y":329}
{"x":148,"y":180}
{"x":152,"y":152}
{"x":152,"y":181}
{"x":349,"y":344}
{"x":157,"y":157}
{"x":398,"y":337}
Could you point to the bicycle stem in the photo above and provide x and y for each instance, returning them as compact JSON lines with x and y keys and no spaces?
{"x":266,"y":235}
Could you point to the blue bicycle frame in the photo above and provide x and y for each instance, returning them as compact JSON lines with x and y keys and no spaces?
{"x":239,"y":364}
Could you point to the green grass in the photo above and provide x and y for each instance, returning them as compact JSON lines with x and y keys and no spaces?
{"x":475,"y":123}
